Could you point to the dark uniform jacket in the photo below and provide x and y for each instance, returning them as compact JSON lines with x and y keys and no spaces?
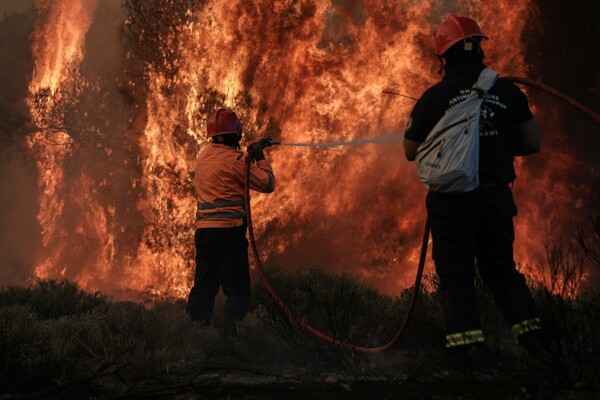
{"x":504,"y":107}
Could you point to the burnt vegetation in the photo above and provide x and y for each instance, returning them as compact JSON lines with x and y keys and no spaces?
{"x":57,"y":341}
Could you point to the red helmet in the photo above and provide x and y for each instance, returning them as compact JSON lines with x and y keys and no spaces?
{"x":453,"y":30}
{"x":223,"y":122}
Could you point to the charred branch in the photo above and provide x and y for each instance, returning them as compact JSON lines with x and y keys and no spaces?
{"x":564,"y":270}
{"x":589,"y":241}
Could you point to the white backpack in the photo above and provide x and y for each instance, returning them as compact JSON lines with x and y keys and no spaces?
{"x":448,"y":159}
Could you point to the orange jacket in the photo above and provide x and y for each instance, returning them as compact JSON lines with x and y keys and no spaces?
{"x":220,"y":177}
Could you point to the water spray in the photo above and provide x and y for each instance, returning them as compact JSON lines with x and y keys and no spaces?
{"x":419,"y":275}
{"x":358,"y":142}
{"x":399,"y":137}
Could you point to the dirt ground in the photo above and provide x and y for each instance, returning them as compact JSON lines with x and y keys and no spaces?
{"x":249,"y":386}
{"x":414,"y":380}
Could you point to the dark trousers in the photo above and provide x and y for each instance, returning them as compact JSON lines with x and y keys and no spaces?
{"x":222,"y":264}
{"x":476,"y":228}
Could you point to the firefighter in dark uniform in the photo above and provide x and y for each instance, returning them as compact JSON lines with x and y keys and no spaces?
{"x":220,"y":238}
{"x":476,"y":228}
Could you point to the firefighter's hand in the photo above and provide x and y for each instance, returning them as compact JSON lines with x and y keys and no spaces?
{"x":256,"y":151}
{"x":267,"y":141}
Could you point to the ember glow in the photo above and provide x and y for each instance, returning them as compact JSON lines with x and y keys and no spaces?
{"x":116,"y":199}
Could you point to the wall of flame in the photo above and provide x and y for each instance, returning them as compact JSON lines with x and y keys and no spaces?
{"x":119,"y":102}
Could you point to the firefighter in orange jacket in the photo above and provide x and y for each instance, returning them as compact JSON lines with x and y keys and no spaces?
{"x":220,"y":238}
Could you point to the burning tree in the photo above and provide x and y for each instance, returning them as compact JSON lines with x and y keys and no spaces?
{"x":118,"y":99}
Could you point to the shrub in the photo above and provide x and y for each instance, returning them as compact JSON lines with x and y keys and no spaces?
{"x":122,"y":346}
{"x":114,"y":342}
{"x":52,"y":299}
{"x":573,"y":334}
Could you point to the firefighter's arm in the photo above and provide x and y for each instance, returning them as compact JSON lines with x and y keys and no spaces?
{"x":262,"y":178}
{"x":528,"y":138}
{"x":410,"y":149}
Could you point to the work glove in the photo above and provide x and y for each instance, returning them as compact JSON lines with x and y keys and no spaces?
{"x":256,"y":150}
{"x":267,"y":141}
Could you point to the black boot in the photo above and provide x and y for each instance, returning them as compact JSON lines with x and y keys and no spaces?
{"x":536,"y":344}
{"x":473,"y":357}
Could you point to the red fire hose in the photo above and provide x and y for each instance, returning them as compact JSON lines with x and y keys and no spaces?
{"x":555,"y":93}
{"x":291,"y":314}
{"x":536,"y":85}
{"x":417,"y":286}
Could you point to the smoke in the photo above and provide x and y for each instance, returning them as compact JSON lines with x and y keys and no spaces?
{"x":558,"y":188}
{"x":19,"y":231}
{"x":15,"y":6}
{"x":19,"y":237}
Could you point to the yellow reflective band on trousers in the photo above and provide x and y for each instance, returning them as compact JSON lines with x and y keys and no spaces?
{"x":462,"y":338}
{"x":528,"y":325}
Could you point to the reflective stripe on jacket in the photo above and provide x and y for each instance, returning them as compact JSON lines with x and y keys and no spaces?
{"x":219,"y":180}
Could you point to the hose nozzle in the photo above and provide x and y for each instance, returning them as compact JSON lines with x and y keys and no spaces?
{"x":268,"y":141}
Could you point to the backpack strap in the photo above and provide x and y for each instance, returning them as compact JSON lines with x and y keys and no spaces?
{"x":486,"y":80}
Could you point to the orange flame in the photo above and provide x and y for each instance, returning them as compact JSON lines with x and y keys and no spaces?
{"x":58,"y":41}
{"x":58,"y":50}
{"x":304,"y":71}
